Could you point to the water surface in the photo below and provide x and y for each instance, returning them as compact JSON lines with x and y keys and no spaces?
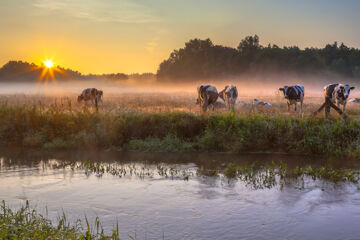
{"x":149,"y":204}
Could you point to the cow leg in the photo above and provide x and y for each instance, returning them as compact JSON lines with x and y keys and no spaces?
{"x":288,"y":107}
{"x":100,"y":101}
{"x":320,"y":108}
{"x":233,"y":105}
{"x":301,"y":105}
{"x":327,"y":107}
{"x":344,"y":107}
{"x":336,"y":108}
{"x":295,"y":106}
{"x":205,"y":104}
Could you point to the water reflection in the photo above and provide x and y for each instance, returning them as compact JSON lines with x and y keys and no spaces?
{"x":155,"y":197}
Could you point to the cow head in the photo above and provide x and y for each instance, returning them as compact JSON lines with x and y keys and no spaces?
{"x":343,"y":91}
{"x":221,"y":94}
{"x":200,"y":90}
{"x":285,"y":91}
{"x":99,"y":95}
{"x":80,"y":98}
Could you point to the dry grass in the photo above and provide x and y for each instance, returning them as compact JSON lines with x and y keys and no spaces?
{"x":172,"y":102}
{"x":172,"y":122}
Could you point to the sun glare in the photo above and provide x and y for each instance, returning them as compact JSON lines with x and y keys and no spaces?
{"x":49,"y":63}
{"x":48,"y":71}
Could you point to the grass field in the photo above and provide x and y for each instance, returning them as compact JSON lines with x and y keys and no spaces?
{"x":170,"y":102}
{"x":173,"y":122}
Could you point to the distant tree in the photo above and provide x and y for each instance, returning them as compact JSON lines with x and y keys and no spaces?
{"x":203,"y":59}
{"x":249,"y":45}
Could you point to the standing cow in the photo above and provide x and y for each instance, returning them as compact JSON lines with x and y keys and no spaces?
{"x":207,"y":95}
{"x":337,"y":93}
{"x":229,"y":95}
{"x":293,"y":95}
{"x":91,"y":94}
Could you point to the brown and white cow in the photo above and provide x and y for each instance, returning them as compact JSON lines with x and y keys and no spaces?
{"x":229,"y":95}
{"x":207,"y":95}
{"x":91,"y":94}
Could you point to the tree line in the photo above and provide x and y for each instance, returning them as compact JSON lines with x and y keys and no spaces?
{"x":14,"y":71}
{"x":202,"y":59}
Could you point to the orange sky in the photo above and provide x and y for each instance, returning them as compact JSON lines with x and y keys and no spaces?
{"x":106,"y":36}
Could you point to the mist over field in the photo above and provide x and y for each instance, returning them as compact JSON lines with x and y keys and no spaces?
{"x":257,"y":71}
{"x":248,"y":85}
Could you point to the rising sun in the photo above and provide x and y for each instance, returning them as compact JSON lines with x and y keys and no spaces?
{"x":48,"y":70}
{"x":48,"y":63}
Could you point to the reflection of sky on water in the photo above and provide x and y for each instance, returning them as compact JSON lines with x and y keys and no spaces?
{"x":201,"y":208}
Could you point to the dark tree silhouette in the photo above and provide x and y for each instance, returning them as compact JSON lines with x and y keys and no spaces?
{"x":202,"y":59}
{"x":29,"y":72}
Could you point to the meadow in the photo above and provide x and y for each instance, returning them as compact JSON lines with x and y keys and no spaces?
{"x":172,"y":122}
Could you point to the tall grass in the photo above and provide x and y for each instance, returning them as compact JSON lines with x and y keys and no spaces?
{"x":26,"y":223}
{"x":53,"y":127}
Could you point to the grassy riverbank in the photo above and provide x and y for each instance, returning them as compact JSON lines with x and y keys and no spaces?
{"x":32,"y":126}
{"x":26,"y":223}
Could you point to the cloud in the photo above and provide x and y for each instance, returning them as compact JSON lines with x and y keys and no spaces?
{"x":150,"y":46}
{"x":124,"y":11}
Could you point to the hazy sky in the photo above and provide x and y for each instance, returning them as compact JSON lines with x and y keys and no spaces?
{"x":104,"y":36}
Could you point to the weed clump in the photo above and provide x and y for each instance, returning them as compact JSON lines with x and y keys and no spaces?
{"x":26,"y":223}
{"x":51,"y":128}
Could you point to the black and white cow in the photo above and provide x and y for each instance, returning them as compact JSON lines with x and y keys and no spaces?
{"x":207,"y":95}
{"x":293,"y":95}
{"x":91,"y":94}
{"x":256,"y":102}
{"x":354,"y":100}
{"x":229,"y":95}
{"x":337,"y":93}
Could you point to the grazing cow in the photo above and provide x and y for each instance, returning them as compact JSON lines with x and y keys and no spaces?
{"x":243,"y":102}
{"x":337,"y":93}
{"x":92,"y":94}
{"x":354,"y":100}
{"x":207,"y":95}
{"x":293,"y":95}
{"x":257,"y":102}
{"x":229,"y":95}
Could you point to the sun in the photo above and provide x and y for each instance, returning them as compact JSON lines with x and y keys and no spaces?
{"x":48,"y":71}
{"x":48,"y":64}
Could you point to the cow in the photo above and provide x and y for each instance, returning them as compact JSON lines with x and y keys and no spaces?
{"x":91,"y":94}
{"x":229,"y":96}
{"x":293,"y":95}
{"x":207,"y":95}
{"x":257,"y":102}
{"x":354,"y":100}
{"x":337,"y":93}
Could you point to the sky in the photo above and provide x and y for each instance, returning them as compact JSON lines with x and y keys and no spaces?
{"x":130,"y":36}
